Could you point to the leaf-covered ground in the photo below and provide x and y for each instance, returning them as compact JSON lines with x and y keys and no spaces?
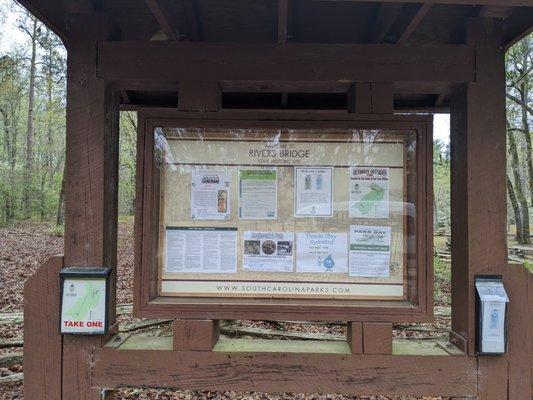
{"x":24,"y":248}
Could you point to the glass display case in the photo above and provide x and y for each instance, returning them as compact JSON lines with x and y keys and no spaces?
{"x":285,"y":216}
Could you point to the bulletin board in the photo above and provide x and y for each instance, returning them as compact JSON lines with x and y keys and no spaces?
{"x":326,"y":216}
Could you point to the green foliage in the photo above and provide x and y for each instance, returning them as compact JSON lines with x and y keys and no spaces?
{"x":442,"y":281}
{"x":57,"y":230}
{"x":441,"y":185}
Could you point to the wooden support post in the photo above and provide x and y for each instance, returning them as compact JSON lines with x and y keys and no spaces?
{"x":478,"y":181}
{"x":199,"y":96}
{"x":355,"y":337}
{"x":370,"y":98}
{"x":42,"y":341}
{"x":91,"y":185}
{"x":195,"y":335}
{"x":377,"y":338}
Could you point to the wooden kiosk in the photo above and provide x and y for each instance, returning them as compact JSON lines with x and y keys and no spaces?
{"x":282,"y":106}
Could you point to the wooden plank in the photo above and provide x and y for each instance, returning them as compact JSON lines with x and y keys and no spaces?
{"x":225,"y":345}
{"x":43,"y":342}
{"x":284,"y":62}
{"x":162,"y":19}
{"x":493,"y":378}
{"x":415,"y":21}
{"x":283,"y":14}
{"x":281,"y":372}
{"x":91,"y":185}
{"x":194,"y":335}
{"x":199,"y":96}
{"x":355,"y":337}
{"x":518,"y":283}
{"x":479,"y":204}
{"x":377,"y":338}
{"x":382,"y":98}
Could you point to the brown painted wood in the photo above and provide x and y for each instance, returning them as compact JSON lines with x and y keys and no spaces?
{"x":377,"y":338}
{"x":195,"y":335}
{"x":91,"y":185}
{"x":479,"y":207}
{"x":493,"y":378}
{"x":518,"y":282}
{"x":382,"y":98}
{"x":463,"y":2}
{"x":419,"y":15}
{"x":294,"y":373}
{"x":283,"y":15}
{"x":363,"y":98}
{"x":199,"y":96}
{"x":42,"y":341}
{"x":284,"y":62}
{"x":355,"y":337}
{"x":162,"y":19}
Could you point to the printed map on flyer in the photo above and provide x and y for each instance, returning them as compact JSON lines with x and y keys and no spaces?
{"x":369,"y":192}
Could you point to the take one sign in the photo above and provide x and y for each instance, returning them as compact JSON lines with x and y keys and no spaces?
{"x":83,"y":306}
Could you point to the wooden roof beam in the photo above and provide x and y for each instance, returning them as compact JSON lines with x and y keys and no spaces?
{"x":160,"y":15}
{"x":51,"y":13}
{"x":510,"y":3}
{"x":283,"y":15}
{"x":385,"y":17}
{"x":194,"y":27}
{"x":414,"y":23}
{"x":140,"y":61}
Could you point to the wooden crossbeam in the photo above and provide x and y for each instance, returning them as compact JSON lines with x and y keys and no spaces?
{"x":286,"y":372}
{"x":414,"y":23}
{"x":140,"y":61}
{"x":161,"y":17}
{"x":384,"y":18}
{"x":512,"y":3}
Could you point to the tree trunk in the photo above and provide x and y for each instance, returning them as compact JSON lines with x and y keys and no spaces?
{"x":520,"y":195}
{"x":527,"y":137}
{"x":516,"y":211}
{"x":28,"y":168}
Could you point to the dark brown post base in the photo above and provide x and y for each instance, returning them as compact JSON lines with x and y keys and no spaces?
{"x":195,"y":335}
{"x":370,"y":337}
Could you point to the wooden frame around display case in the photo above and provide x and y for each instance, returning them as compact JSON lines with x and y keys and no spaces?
{"x":414,"y":305}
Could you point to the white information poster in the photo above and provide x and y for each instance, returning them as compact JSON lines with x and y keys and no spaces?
{"x":210,"y":195}
{"x":369,"y":192}
{"x":322,"y":252}
{"x":83,"y":305}
{"x":370,"y":251}
{"x":198,"y":249}
{"x":313,"y":194}
{"x":258,"y":193}
{"x":268,"y":251}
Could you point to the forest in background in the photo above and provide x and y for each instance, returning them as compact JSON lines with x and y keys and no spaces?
{"x":32,"y":134}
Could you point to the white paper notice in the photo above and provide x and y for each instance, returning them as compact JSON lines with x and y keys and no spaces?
{"x":313,"y":195}
{"x":210,"y":195}
{"x":369,"y":192}
{"x":268,"y":251}
{"x":197,"y":250}
{"x":370,"y":251}
{"x":322,"y":252}
{"x":258,"y":193}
